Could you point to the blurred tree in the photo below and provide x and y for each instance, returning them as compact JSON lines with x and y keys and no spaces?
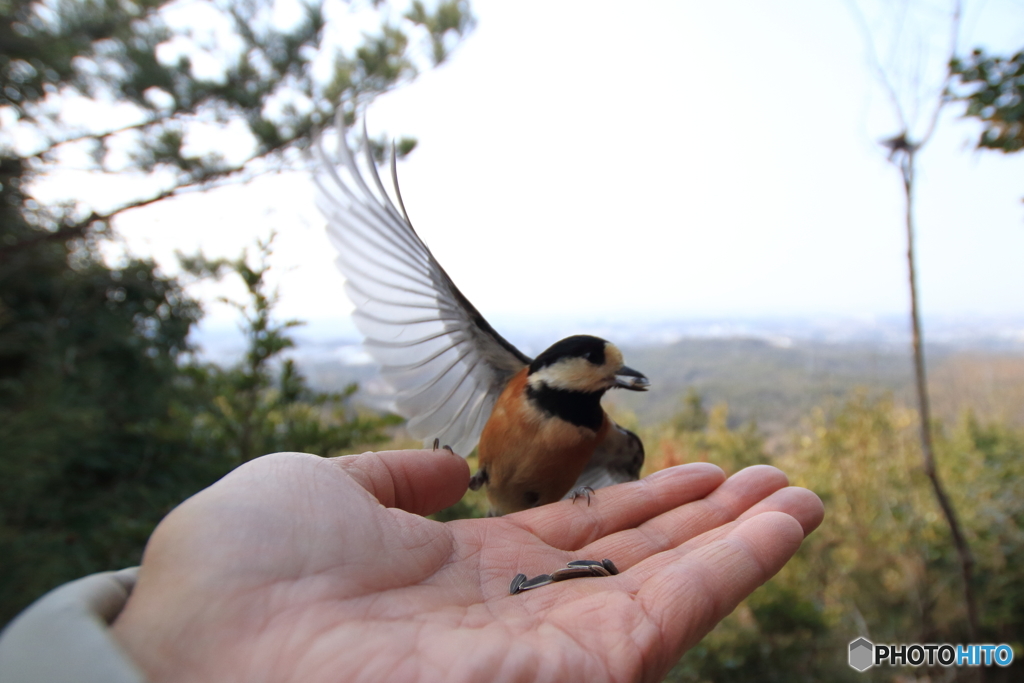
{"x":105,"y":424}
{"x":993,"y":88}
{"x":264,"y":406}
{"x":693,"y":417}
{"x":989,"y":458}
{"x":699,"y":435}
{"x":903,"y":149}
{"x":167,"y":73}
{"x":93,"y":420}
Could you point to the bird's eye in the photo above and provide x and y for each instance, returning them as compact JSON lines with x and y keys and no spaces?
{"x":587,"y":356}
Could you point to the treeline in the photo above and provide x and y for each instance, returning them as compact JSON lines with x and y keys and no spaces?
{"x":107,"y":420}
{"x":882,"y":565}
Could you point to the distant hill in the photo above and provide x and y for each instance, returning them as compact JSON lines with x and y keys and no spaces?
{"x":776,"y":384}
{"x":770,"y":384}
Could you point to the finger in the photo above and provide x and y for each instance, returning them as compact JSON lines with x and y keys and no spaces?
{"x":568,"y":526}
{"x":802,"y":505}
{"x":421,"y":481}
{"x":685,"y":595}
{"x":737,"y":495}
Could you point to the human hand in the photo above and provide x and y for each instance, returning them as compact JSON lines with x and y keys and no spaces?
{"x":300,"y":568}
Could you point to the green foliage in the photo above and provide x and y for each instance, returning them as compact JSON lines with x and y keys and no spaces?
{"x":993,"y":88}
{"x":94,"y":448}
{"x":472,"y":506}
{"x":257,"y":407}
{"x":882,"y":564}
{"x":773,"y":636}
{"x":987,"y":462}
{"x":693,"y":417}
{"x":105,"y":425}
{"x":41,"y":43}
{"x":451,"y":17}
{"x":697,"y":435}
{"x":105,"y":419}
{"x":122,"y":52}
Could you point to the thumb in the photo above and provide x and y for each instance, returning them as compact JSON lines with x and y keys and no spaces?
{"x":421,"y":481}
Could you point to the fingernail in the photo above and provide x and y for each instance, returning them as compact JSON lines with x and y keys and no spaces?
{"x":689,"y":470}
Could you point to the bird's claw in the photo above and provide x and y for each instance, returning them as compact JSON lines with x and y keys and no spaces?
{"x":437,"y":442}
{"x":478,"y":480}
{"x":582,"y":492}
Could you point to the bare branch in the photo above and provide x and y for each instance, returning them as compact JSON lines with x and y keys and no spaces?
{"x":80,"y":228}
{"x":876,"y":64}
{"x":954,"y":39}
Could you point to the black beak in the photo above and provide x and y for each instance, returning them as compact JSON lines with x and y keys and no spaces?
{"x":628,"y":378}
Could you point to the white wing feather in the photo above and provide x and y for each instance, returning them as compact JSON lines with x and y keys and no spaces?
{"x":444,"y":363}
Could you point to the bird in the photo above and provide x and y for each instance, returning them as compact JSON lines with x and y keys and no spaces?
{"x":542,"y":432}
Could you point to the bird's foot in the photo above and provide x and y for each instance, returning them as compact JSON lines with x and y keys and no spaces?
{"x":478,"y":479}
{"x":581,"y":492}
{"x":446,"y":446}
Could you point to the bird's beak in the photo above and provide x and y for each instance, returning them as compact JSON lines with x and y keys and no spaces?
{"x":628,"y":378}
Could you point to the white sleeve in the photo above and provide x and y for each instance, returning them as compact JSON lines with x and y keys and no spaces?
{"x":64,"y":636}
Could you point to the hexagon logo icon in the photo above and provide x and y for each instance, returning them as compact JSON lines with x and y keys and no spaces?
{"x":862,"y":653}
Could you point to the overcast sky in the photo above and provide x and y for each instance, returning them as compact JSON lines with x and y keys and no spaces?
{"x":661,"y":160}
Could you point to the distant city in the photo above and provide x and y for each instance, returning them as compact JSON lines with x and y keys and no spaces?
{"x":338,"y":341}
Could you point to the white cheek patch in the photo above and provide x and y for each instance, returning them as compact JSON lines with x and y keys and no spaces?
{"x":573,"y":374}
{"x":612,"y":358}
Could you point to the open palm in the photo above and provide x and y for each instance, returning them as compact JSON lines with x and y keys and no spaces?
{"x":299,"y":568}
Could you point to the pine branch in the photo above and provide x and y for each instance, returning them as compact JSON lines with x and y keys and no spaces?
{"x":80,"y":228}
{"x":54,"y":144}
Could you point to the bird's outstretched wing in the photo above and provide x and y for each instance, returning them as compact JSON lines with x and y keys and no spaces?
{"x":445,"y":364}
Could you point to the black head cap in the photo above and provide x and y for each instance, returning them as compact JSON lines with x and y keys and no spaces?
{"x":578,"y":346}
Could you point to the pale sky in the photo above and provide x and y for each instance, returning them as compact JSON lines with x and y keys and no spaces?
{"x":658,"y":159}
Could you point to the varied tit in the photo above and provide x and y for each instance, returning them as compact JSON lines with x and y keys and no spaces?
{"x":542,"y":432}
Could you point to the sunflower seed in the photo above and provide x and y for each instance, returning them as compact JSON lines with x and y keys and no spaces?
{"x":602,"y":568}
{"x":571,"y":573}
{"x":517,"y":582}
{"x":535,"y":582}
{"x":583,"y":563}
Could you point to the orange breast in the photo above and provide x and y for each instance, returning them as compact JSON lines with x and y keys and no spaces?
{"x":531,"y":458}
